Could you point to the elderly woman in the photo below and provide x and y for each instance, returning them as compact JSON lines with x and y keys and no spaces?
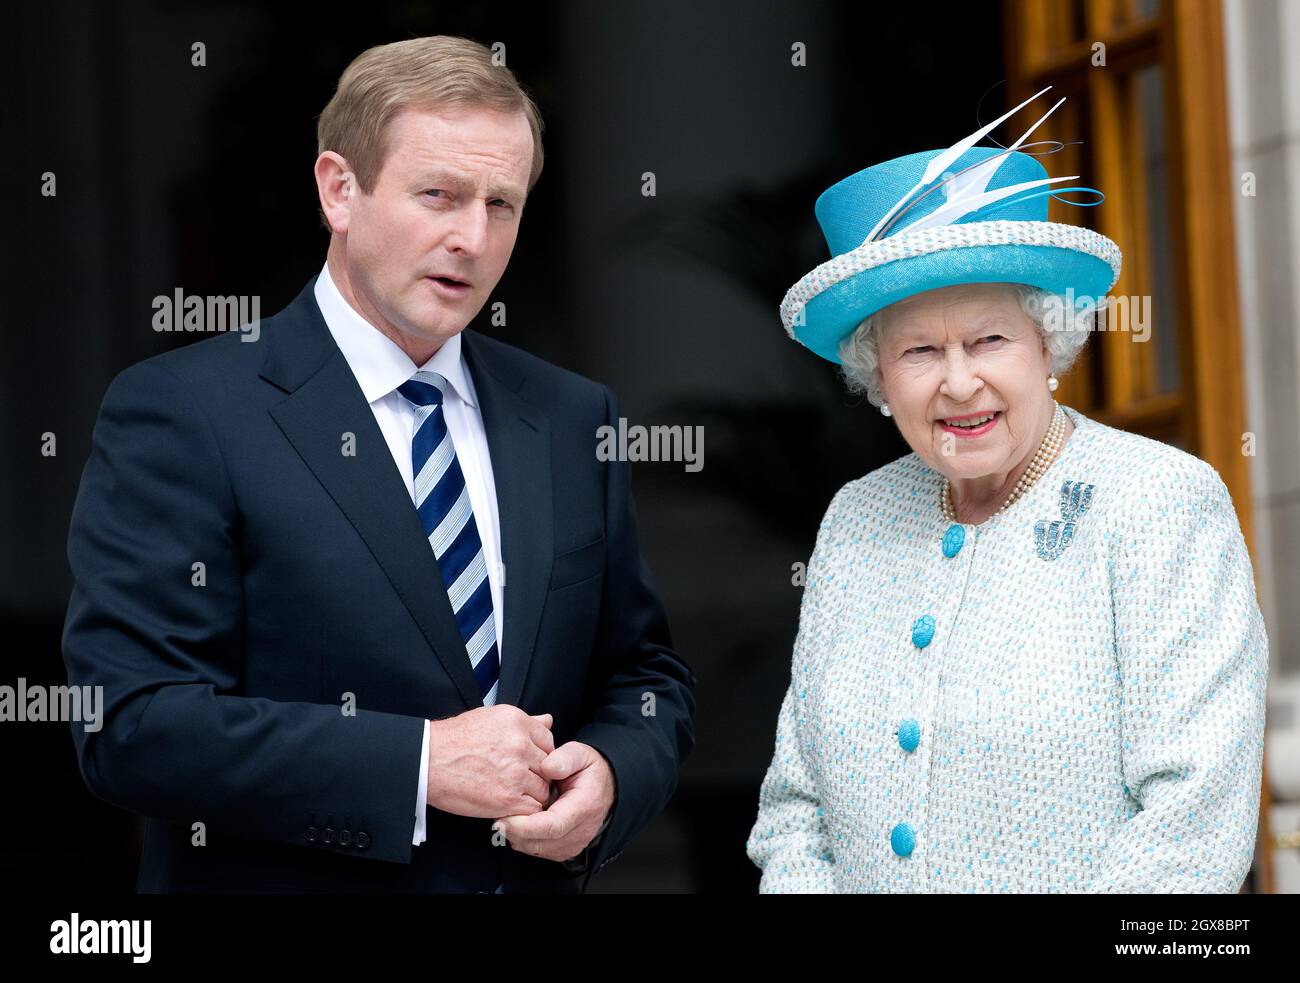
{"x":1029,"y":654}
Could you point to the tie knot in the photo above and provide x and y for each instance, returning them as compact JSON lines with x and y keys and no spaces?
{"x":424,"y":388}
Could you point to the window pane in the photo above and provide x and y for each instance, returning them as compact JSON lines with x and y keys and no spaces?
{"x":1164,"y":318}
{"x":1146,"y":9}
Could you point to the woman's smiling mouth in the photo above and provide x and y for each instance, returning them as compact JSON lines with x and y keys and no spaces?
{"x":971,"y":424}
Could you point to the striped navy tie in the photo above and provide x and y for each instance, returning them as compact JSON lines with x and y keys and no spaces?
{"x":442,"y":500}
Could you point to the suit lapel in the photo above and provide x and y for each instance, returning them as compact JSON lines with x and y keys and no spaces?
{"x":325,"y":402}
{"x":519,"y":441}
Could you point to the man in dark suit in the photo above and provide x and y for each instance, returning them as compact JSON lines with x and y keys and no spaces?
{"x":368,"y":612}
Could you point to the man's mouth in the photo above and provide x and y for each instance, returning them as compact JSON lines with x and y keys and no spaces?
{"x":451,"y":285}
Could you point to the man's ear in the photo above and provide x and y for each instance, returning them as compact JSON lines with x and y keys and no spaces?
{"x":336,"y":186}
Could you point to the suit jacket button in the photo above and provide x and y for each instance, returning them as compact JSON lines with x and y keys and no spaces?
{"x":327,"y":836}
{"x":345,"y":837}
{"x":363,"y":840}
{"x":312,"y":834}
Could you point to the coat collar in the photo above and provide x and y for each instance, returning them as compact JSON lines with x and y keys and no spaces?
{"x":325,"y":402}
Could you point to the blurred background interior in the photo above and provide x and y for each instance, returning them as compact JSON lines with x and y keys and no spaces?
{"x":170,"y":175}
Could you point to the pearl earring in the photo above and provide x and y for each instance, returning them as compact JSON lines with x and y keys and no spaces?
{"x":885,"y":410}
{"x":1052,"y":383}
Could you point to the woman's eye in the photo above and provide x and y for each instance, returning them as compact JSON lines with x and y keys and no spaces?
{"x":992,"y":337}
{"x":918,"y":350}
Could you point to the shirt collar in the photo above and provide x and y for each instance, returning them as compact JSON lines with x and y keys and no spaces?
{"x":378,"y":364}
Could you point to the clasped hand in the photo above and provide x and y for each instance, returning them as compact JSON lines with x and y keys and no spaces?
{"x":498,"y":762}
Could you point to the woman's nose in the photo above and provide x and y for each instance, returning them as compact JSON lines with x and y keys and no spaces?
{"x":960,"y":381}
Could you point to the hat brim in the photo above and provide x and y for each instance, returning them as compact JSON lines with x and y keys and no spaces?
{"x":833,"y":313}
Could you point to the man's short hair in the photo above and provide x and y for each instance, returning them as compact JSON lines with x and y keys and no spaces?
{"x":421,"y":73}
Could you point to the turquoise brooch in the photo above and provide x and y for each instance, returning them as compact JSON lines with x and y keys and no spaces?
{"x":1052,"y":536}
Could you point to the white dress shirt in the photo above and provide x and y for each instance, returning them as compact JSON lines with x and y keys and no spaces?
{"x":380,"y":367}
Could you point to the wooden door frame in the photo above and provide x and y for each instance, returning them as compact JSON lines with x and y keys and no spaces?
{"x":1186,"y":40}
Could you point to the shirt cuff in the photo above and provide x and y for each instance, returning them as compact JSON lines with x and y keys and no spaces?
{"x":420,"y":804}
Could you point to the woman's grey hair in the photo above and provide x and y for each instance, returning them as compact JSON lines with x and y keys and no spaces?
{"x":1063,"y":327}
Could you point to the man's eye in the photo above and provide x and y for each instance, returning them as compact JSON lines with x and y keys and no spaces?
{"x":500,"y":201}
{"x":435,"y":191}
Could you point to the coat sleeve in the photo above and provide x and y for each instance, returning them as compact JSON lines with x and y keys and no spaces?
{"x":643,"y":718}
{"x":164,"y":639}
{"x":789,"y":841}
{"x":1192,"y":656}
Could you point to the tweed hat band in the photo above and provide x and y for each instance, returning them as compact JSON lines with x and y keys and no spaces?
{"x":906,"y":244}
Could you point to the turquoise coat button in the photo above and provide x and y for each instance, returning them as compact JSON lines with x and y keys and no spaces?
{"x":923,"y":631}
{"x":953,"y":540}
{"x":902,"y":839}
{"x":909,"y":734}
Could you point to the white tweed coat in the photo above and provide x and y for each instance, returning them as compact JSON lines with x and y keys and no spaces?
{"x":1086,"y":716}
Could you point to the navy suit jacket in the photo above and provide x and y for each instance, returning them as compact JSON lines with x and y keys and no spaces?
{"x":224,"y":684}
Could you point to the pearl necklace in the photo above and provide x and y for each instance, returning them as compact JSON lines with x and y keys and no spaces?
{"x":1043,"y":458}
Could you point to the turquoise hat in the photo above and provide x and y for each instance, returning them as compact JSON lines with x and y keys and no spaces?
{"x":940,"y":218}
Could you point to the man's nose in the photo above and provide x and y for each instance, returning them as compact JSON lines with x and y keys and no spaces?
{"x":468,"y":233}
